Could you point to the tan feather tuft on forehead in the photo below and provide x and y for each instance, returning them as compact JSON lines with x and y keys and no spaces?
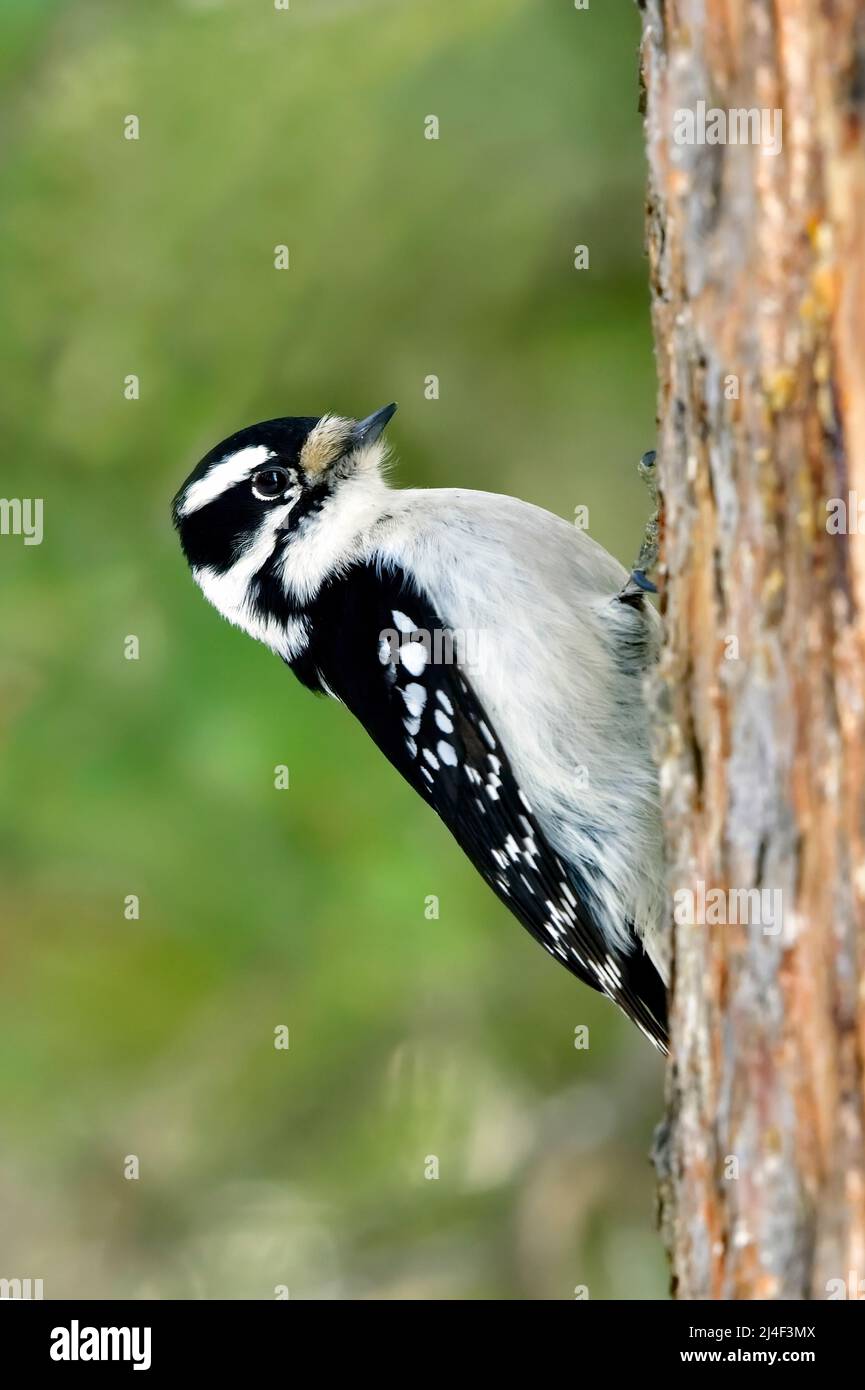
{"x":325,"y":443}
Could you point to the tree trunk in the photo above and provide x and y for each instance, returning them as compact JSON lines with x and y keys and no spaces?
{"x":758,"y":297}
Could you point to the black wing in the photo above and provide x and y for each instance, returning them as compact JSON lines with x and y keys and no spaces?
{"x":379,"y":648}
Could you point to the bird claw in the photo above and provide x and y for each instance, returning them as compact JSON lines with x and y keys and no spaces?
{"x":639,"y":581}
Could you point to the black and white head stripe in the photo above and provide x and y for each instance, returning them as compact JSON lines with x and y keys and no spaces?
{"x":223,"y":475}
{"x":251,"y":496}
{"x":427,"y":720}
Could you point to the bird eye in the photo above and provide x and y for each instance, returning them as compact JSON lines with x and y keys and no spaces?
{"x":269,"y":484}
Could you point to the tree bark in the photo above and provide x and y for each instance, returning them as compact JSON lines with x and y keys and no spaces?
{"x":758,"y":299}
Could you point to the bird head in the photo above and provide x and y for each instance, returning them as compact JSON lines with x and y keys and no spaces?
{"x":256,"y":516}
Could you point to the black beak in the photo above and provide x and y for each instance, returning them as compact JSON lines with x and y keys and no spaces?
{"x":368,"y":431}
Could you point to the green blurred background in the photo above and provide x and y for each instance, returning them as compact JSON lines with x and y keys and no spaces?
{"x":408,"y":1037}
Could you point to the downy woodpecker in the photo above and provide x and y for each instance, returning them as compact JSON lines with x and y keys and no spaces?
{"x":493,"y":651}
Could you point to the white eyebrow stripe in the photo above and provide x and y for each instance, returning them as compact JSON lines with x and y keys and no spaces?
{"x":224,"y":474}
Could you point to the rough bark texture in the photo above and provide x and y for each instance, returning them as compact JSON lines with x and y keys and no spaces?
{"x":758,"y":273}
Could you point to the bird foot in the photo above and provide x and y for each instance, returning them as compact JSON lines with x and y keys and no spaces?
{"x":639,"y":582}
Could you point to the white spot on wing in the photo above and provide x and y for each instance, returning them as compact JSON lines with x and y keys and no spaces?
{"x":566,"y":889}
{"x":403,"y":623}
{"x":413,"y":657}
{"x":415,"y":698}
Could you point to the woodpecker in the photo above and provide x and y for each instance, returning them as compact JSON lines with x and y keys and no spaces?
{"x":494,"y":652}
